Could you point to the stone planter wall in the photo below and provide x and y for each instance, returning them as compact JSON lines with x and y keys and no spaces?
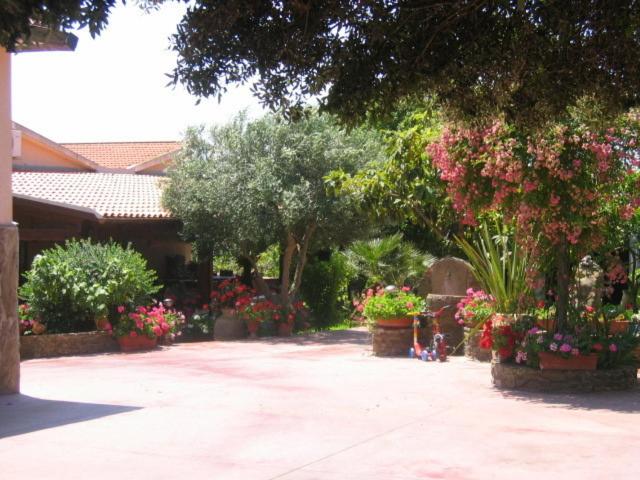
{"x":515,"y":377}
{"x":395,"y":342}
{"x":61,"y":344}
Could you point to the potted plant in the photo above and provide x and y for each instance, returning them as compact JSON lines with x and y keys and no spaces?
{"x":254,"y":312}
{"x":472,"y":312}
{"x":391,"y":307}
{"x":230,"y":297}
{"x":141,"y":328}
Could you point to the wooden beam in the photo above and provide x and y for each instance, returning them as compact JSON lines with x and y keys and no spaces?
{"x":47,"y":234}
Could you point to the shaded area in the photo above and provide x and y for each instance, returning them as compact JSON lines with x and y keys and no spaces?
{"x":624,"y":402}
{"x":353,"y":336}
{"x":21,"y":414}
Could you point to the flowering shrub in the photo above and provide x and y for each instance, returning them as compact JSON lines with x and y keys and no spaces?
{"x":231,"y":293}
{"x":153,"y":322}
{"x":391,"y":303}
{"x":474,"y":309}
{"x":260,"y":309}
{"x":29,"y":322}
{"x":562,"y":187}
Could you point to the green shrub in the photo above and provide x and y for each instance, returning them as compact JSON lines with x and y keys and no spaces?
{"x":389,"y":260}
{"x":70,"y":286}
{"x":324,"y":289}
{"x":391,"y":304}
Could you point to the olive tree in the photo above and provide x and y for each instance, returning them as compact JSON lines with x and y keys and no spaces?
{"x":243,"y":186}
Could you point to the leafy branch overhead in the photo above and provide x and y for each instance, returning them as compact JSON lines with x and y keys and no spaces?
{"x":527,"y":59}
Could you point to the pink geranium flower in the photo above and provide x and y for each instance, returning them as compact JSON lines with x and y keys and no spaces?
{"x":121,"y":309}
{"x":613,"y":348}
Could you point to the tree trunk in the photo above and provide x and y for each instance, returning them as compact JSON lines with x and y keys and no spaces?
{"x":259,"y":283}
{"x":302,"y":259}
{"x":562,"y":285}
{"x":285,"y":274}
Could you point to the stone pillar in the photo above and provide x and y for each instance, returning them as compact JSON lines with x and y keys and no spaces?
{"x":9,"y":336}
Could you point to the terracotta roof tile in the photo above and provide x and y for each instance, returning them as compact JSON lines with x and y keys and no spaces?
{"x":122,"y":154}
{"x":111,"y":195}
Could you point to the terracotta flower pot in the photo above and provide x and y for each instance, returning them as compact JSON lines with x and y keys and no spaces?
{"x":285,"y":329}
{"x":252,"y":327}
{"x":618,"y":326}
{"x":137,"y":343}
{"x":394,"y":322}
{"x":552,"y":361}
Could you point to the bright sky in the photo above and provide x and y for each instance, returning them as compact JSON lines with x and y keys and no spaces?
{"x":113,"y":87}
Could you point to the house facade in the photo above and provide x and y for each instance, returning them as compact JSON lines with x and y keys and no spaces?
{"x":95,"y":190}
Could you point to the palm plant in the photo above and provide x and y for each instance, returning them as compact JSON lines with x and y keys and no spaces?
{"x":387,"y":260}
{"x":499,"y":264}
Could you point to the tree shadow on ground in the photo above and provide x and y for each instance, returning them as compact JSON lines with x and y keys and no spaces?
{"x":623,"y":402}
{"x":357,"y":336}
{"x":21,"y":414}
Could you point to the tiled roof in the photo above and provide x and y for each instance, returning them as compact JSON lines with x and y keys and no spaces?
{"x":122,"y":154}
{"x":108,"y":195}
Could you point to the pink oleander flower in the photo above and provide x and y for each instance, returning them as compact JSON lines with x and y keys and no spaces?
{"x":565,"y":348}
{"x":121,"y":309}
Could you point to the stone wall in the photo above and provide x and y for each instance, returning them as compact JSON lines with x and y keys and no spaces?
{"x":9,"y":345}
{"x":395,"y":342}
{"x":58,"y":345}
{"x":516,"y":377}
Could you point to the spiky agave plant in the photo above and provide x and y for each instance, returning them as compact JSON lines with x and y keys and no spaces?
{"x":499,"y":264}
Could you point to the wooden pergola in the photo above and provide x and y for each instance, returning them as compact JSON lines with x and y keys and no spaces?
{"x":41,"y":39}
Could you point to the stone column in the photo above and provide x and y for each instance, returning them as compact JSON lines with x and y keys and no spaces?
{"x":9,"y":336}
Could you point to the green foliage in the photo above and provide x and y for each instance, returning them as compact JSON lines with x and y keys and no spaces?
{"x":405,"y":188}
{"x":70,"y":286}
{"x":500,"y":265}
{"x":324,"y":289}
{"x":244,"y":186}
{"x":528,"y":60}
{"x":269,"y":261}
{"x":18,"y":16}
{"x":388,"y":260}
{"x":392,"y":304}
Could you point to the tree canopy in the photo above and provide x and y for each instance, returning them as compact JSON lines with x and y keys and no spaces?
{"x":526,"y":59}
{"x":243,"y":186}
{"x":17,"y":17}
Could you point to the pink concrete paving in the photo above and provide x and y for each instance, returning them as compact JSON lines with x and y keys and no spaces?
{"x":315,"y":408}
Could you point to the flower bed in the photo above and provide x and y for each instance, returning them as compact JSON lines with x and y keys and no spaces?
{"x":517,"y":377}
{"x":63,"y":344}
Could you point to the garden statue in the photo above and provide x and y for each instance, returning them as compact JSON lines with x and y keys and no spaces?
{"x":589,"y":283}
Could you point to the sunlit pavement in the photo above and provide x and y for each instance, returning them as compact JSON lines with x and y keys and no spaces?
{"x":316,"y":407}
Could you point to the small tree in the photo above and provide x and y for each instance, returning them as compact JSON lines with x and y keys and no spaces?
{"x":247,"y":185}
{"x":564,"y":186}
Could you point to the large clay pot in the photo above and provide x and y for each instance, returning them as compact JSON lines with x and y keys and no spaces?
{"x":229,"y":326}
{"x":252,"y":327}
{"x":394,"y":322}
{"x":137,"y":343}
{"x":285,"y":329}
{"x":552,"y":361}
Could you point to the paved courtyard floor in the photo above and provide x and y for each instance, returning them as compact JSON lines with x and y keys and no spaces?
{"x":316,"y":407}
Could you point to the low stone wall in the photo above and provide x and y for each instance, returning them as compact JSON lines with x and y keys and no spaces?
{"x":516,"y":377}
{"x":61,"y":344}
{"x":395,"y":342}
